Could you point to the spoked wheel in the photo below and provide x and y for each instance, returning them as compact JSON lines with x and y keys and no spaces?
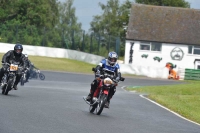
{"x":92,"y":108}
{"x":8,"y":86}
{"x":3,"y":89}
{"x":101,"y":104}
{"x":23,"y":79}
{"x":22,"y":82}
{"x":41,"y":76}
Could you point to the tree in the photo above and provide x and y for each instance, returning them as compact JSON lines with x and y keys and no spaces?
{"x":68,"y":25}
{"x":173,"y":3}
{"x":110,"y":24}
{"x":26,"y":21}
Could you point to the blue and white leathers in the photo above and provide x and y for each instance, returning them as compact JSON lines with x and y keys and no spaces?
{"x":104,"y":64}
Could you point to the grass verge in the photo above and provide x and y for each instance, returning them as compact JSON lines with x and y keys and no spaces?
{"x":63,"y":64}
{"x":183,"y":99}
{"x":60,"y":64}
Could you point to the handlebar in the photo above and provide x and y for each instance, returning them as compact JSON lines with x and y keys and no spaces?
{"x":107,"y":75}
{"x":10,"y":64}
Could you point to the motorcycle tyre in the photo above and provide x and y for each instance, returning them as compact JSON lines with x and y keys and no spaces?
{"x":22,"y":81}
{"x":3,"y":89}
{"x":101,"y":104}
{"x":92,"y":108}
{"x":41,"y":76}
{"x":8,"y":86}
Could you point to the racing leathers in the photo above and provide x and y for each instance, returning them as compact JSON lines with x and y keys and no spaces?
{"x":104,"y":64}
{"x":28,"y":68}
{"x":11,"y":57}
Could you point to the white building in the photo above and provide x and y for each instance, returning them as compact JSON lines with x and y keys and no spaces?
{"x":168,"y":34}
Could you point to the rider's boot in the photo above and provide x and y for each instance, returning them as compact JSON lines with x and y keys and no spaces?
{"x":107,"y":104}
{"x":15,"y":87}
{"x":88,"y":98}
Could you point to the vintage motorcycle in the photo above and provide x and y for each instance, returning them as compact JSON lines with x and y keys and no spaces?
{"x":23,"y":78}
{"x":9,"y":77}
{"x":34,"y":74}
{"x":107,"y":81}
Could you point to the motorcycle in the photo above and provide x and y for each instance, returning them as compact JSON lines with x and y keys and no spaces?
{"x":36,"y":73}
{"x":8,"y":80}
{"x":107,"y":81}
{"x":23,"y":78}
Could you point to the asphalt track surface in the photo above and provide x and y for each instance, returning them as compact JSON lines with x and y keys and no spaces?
{"x":56,"y":106}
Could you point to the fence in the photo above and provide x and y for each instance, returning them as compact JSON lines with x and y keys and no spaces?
{"x":90,"y":42}
{"x":189,"y":74}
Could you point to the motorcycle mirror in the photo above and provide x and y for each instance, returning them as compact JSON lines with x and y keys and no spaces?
{"x":122,"y":79}
{"x":93,"y":69}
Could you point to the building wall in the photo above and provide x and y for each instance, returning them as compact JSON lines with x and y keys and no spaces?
{"x":186,"y":62}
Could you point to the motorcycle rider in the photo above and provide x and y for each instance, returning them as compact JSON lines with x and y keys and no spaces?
{"x":28,"y":66}
{"x":10,"y":57}
{"x":111,"y":64}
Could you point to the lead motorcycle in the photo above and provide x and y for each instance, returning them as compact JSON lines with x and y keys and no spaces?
{"x":8,"y":80}
{"x":107,"y":81}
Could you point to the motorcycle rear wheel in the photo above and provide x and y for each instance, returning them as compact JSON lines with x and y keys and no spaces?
{"x":41,"y":76}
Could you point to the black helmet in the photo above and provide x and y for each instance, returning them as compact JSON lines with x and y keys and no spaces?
{"x":18,"y":49}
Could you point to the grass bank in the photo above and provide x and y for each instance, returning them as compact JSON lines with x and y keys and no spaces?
{"x":183,"y":99}
{"x":60,"y":64}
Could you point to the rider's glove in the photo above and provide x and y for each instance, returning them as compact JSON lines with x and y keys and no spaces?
{"x":97,"y":73}
{"x":117,"y":79}
{"x":5,"y":67}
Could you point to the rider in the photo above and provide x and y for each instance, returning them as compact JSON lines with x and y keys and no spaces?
{"x":28,"y":66}
{"x":32,"y":67}
{"x":111,"y":64}
{"x":10,"y":57}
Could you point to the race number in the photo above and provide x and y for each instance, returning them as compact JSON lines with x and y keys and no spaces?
{"x":13,"y":67}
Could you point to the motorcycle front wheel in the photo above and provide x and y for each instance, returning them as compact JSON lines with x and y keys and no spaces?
{"x":92,"y":108}
{"x":8,"y":86}
{"x":3,"y":88}
{"x":101,"y":104}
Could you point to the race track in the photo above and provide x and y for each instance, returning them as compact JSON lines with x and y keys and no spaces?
{"x":56,"y":106}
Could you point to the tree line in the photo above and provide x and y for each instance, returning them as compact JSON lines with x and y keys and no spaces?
{"x":54,"y":24}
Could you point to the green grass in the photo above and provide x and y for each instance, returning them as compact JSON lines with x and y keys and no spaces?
{"x":60,"y":64}
{"x":183,"y":99}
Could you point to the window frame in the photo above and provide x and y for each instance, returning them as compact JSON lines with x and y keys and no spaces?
{"x":193,"y":48}
{"x":150,"y":46}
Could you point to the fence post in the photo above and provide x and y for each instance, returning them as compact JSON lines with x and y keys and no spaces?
{"x":117,"y":44}
{"x":83,"y":41}
{"x":91,"y":42}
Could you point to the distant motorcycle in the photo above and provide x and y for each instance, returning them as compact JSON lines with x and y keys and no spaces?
{"x":9,"y":77}
{"x":34,"y":74}
{"x":107,"y":81}
{"x":23,"y":78}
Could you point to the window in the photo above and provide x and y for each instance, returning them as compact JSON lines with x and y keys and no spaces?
{"x":190,"y":49}
{"x":150,"y":46}
{"x":194,"y":50}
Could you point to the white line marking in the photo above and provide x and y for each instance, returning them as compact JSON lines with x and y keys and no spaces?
{"x":169,"y":110}
{"x":123,"y":88}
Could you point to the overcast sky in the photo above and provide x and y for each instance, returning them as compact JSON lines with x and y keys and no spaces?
{"x":86,"y":9}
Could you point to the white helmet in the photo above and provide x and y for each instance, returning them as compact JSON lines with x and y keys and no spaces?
{"x":112,"y":58}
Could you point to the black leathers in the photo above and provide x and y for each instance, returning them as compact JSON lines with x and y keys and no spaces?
{"x":10,"y":57}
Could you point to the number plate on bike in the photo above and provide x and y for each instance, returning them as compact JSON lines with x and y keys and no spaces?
{"x":13,"y":67}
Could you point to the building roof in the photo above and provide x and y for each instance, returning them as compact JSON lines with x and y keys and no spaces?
{"x":164,"y":24}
